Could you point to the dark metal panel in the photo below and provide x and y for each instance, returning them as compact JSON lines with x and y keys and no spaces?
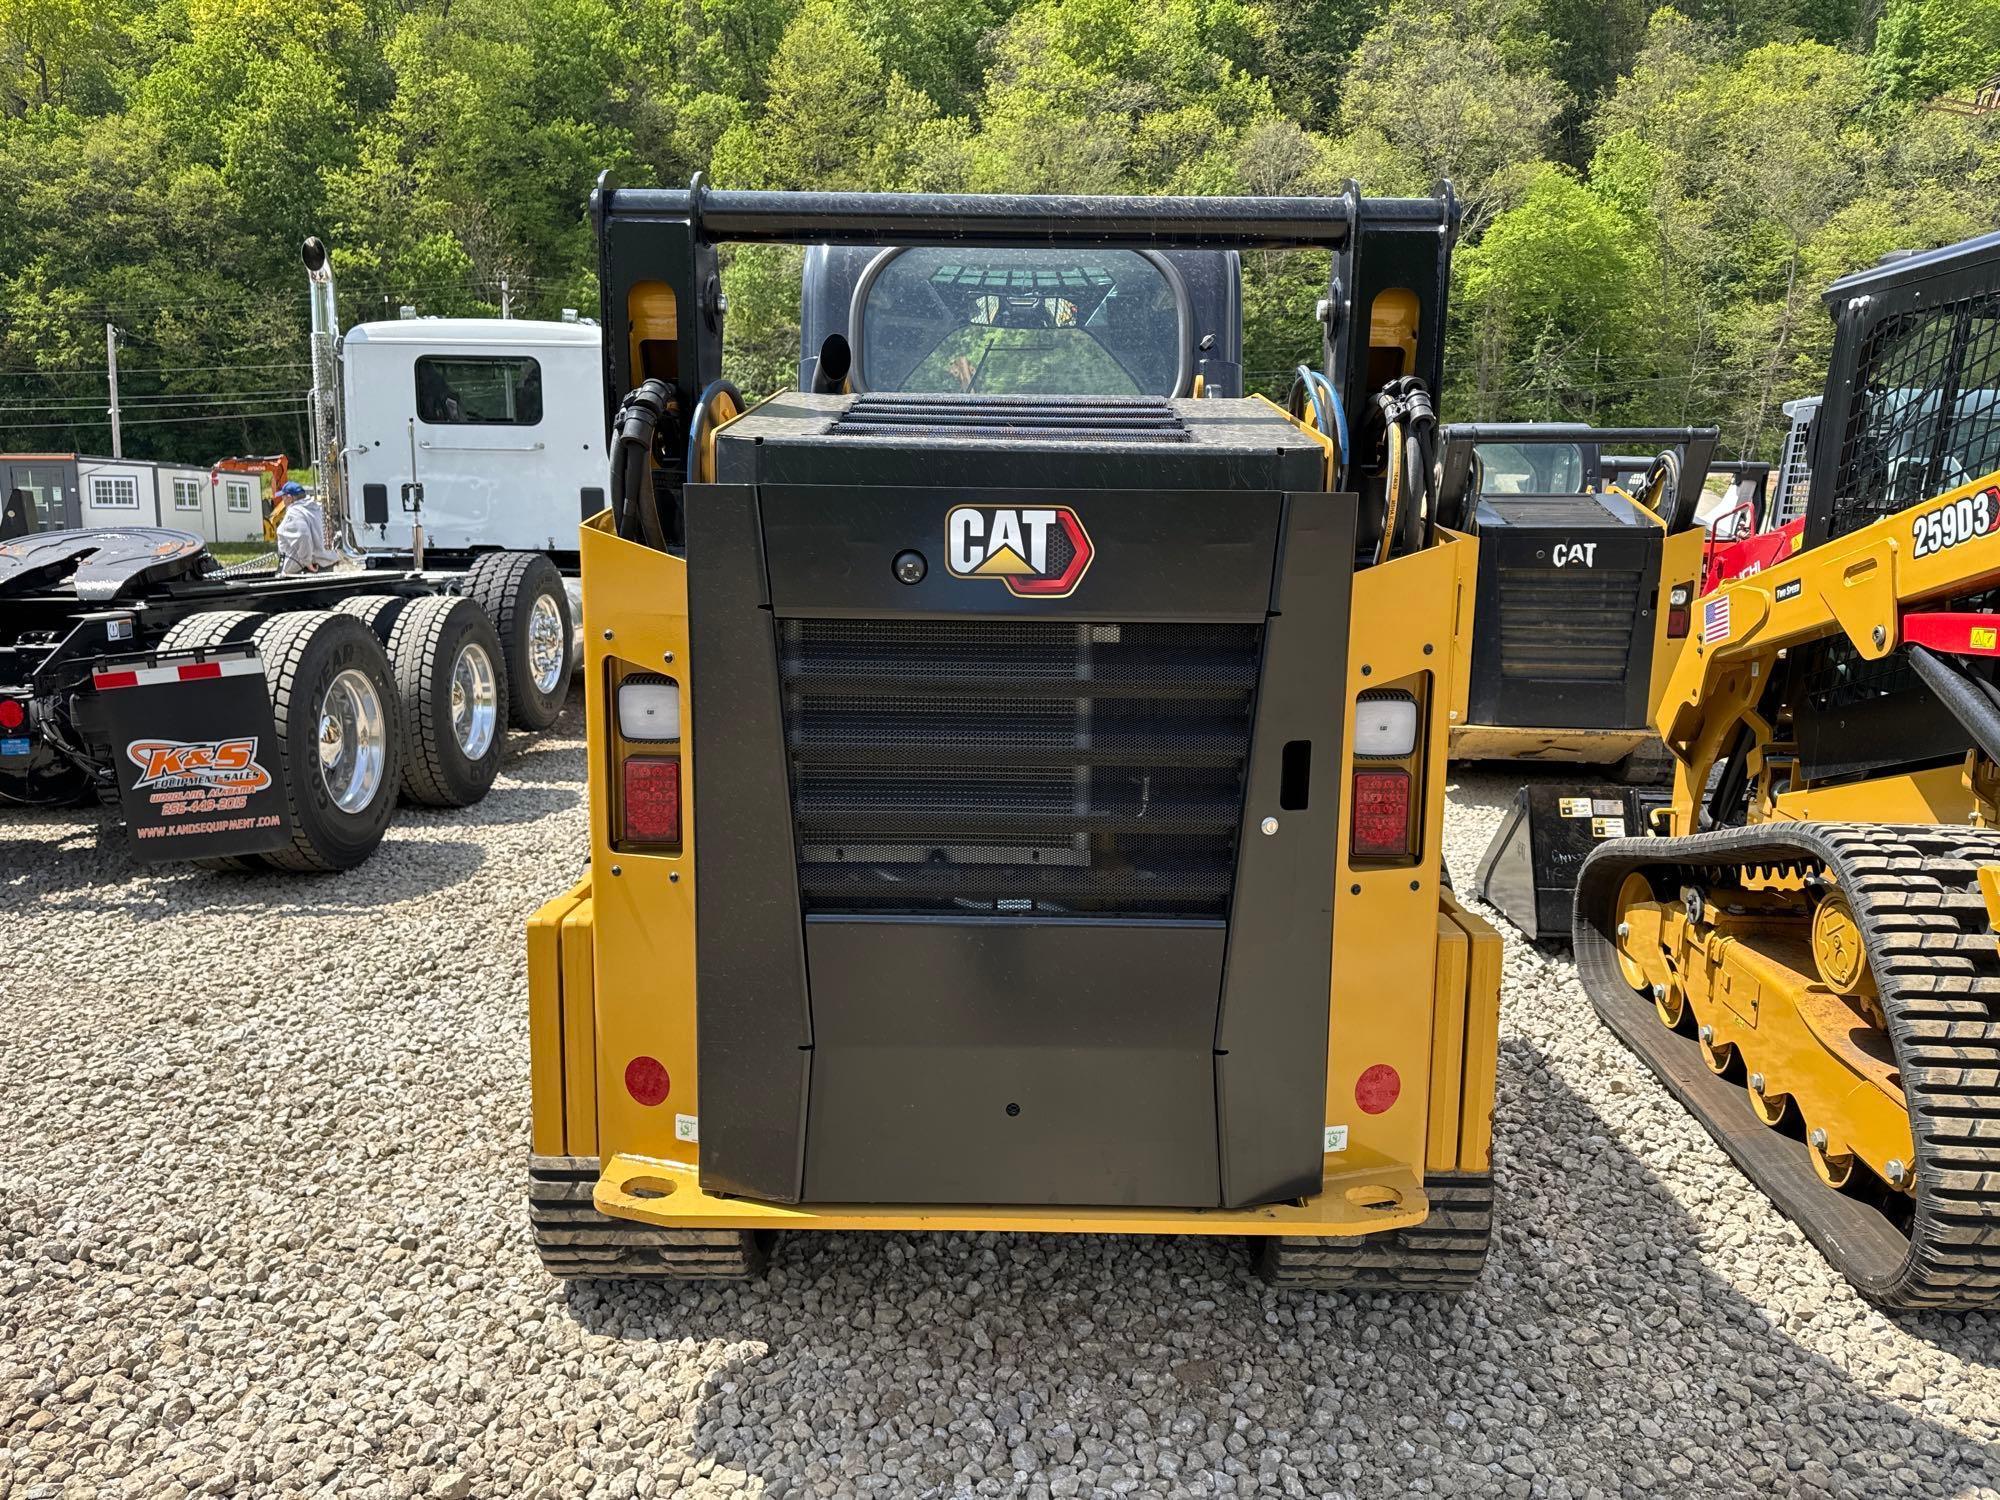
{"x":1012,"y":1062}
{"x":1022,"y":219}
{"x":1169,"y":555}
{"x":753,"y":1025}
{"x":375,"y":504}
{"x":592,"y":497}
{"x":1270,"y":1040}
{"x":1604,"y":593}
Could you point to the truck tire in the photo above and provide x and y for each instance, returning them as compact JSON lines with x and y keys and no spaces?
{"x":339,"y":733}
{"x":523,"y":595}
{"x":377,"y":611}
{"x":453,"y":690}
{"x":218,"y":627}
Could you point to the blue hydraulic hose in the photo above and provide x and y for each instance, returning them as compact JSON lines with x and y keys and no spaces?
{"x":1315,"y":379}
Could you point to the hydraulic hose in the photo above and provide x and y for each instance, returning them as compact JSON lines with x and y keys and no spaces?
{"x":1409,"y":427}
{"x":704,"y":420}
{"x":635,"y":510}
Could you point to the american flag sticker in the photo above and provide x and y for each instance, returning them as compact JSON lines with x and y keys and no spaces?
{"x":1715,"y":620}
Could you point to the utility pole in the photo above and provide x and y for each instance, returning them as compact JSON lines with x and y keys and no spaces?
{"x":111,"y":368}
{"x":504,"y":307}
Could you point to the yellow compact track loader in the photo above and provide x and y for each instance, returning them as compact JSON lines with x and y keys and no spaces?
{"x":1808,"y":958}
{"x":1017,"y":759}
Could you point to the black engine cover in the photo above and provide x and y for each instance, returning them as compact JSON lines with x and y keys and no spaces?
{"x":1563,"y":634}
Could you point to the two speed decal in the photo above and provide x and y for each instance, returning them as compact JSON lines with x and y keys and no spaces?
{"x":1963,"y":519}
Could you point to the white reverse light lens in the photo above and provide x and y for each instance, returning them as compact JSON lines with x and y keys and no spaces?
{"x":649,"y":708}
{"x":1385,"y":728}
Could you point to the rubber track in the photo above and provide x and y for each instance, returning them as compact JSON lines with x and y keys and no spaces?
{"x":1930,"y":945}
{"x":1442,"y":1254}
{"x":575,"y":1240}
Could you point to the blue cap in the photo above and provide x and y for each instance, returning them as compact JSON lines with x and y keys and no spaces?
{"x":292,"y":487}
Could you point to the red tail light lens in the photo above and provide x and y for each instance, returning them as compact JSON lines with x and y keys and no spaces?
{"x":1382,"y":813}
{"x":652,"y":802}
{"x":12,"y":715}
{"x":1679,"y":598}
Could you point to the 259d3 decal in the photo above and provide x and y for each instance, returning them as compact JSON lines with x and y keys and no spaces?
{"x":1967,"y":517}
{"x":1038,"y":552}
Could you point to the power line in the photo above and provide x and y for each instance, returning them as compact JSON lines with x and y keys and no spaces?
{"x":227,"y":416}
{"x":290,"y":364}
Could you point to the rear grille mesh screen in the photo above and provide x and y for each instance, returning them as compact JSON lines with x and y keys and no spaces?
{"x":1002,"y":768}
{"x":1567,"y":626}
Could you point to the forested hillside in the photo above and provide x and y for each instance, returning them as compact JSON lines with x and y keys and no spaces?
{"x":1653,"y":200}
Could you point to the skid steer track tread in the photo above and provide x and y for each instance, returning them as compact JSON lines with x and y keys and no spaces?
{"x":1915,"y":894}
{"x":576,"y":1241}
{"x":1442,"y":1254}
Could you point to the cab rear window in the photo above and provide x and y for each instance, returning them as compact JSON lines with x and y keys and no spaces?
{"x":479,"y":391}
{"x":1020,"y":322}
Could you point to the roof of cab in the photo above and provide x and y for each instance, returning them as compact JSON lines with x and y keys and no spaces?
{"x":1898,"y":268}
{"x":512,"y":332}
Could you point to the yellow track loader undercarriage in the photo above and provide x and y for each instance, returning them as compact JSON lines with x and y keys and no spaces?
{"x":1824,"y":995}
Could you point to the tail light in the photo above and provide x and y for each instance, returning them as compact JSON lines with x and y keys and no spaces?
{"x":651,"y":805}
{"x":1388,"y":740}
{"x":1382,"y":814}
{"x":646,"y":725}
{"x":1679,"y":600}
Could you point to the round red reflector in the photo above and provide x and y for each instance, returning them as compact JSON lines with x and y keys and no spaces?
{"x":646,"y":1080}
{"x":12,"y":715}
{"x":1377,"y":1087}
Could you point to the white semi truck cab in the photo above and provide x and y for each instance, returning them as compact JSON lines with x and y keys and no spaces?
{"x":487,"y":432}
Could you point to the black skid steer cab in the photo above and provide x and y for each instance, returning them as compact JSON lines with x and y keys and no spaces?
{"x":254,"y":722}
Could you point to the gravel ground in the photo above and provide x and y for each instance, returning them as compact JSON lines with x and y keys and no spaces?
{"x":263,"y":1235}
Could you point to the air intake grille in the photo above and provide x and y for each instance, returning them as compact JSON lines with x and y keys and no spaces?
{"x":1074,"y":419}
{"x":993,"y":768}
{"x":1567,"y":626}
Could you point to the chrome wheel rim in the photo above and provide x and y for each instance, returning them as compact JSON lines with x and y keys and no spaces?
{"x":548,"y":652}
{"x":353,"y":741}
{"x":475,"y":700}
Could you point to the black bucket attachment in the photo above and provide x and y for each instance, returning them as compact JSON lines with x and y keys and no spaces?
{"x":1528,"y":872}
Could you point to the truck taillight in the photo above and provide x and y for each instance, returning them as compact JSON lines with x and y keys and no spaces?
{"x":650,"y":809}
{"x":1382,"y":814}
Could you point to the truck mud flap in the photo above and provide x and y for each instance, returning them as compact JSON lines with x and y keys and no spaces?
{"x":196,"y":755}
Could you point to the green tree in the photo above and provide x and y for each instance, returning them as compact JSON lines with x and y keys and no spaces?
{"x":1926,"y":48}
{"x":1429,"y":97}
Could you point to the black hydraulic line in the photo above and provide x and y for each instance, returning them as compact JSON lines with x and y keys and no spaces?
{"x":1723,"y":807}
{"x":635,"y":510}
{"x":702,"y":419}
{"x":1972,"y":701}
{"x":1161,"y":223}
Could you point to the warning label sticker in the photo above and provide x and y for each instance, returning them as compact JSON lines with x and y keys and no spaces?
{"x":1607,"y":828}
{"x":1574,"y":807}
{"x":1336,"y":1139}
